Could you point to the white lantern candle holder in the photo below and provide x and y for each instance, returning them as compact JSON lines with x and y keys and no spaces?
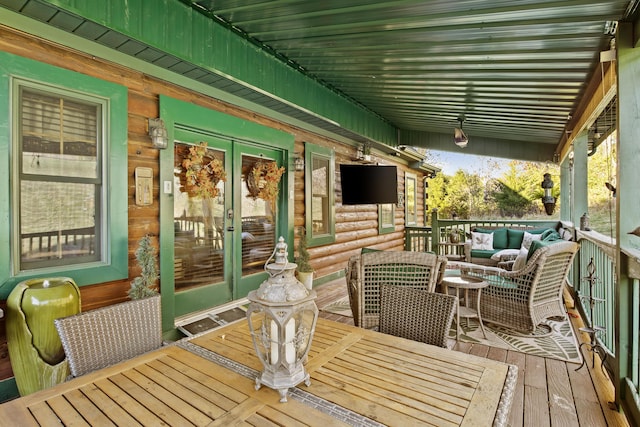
{"x":282,"y":316}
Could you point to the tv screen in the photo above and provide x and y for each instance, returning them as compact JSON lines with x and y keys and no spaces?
{"x":368,"y":184}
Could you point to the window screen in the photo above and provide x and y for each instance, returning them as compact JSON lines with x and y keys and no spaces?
{"x":60,"y":179}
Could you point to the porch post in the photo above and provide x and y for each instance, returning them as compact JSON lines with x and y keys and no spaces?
{"x":628,"y":172}
{"x":435,"y":231}
{"x":628,"y":207}
{"x":580,"y":177}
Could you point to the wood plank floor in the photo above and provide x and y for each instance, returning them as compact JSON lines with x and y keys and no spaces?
{"x":549,"y":392}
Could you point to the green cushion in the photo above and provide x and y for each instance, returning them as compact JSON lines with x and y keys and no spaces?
{"x":367,"y":250}
{"x":515,"y":238}
{"x":481,"y":253}
{"x":537,"y":244}
{"x":550,"y":235}
{"x":500,"y":239}
{"x":538,"y":230}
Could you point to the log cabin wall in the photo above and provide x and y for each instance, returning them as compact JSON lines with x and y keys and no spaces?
{"x":356,"y":226}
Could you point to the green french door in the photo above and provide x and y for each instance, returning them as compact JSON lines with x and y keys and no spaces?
{"x":222,"y":237}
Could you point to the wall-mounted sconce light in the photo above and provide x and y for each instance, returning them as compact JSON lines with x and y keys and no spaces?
{"x":158,"y":133}
{"x":363,"y":152}
{"x":548,"y":200}
{"x":298,"y":162}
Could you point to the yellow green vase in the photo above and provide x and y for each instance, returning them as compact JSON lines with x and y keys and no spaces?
{"x":35,"y":350}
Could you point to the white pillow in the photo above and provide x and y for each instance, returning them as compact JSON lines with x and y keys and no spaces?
{"x":528,"y":238}
{"x":521,"y":260}
{"x":482,"y":241}
{"x":504,"y":253}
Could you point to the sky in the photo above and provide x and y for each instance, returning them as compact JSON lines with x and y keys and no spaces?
{"x":450,"y":162}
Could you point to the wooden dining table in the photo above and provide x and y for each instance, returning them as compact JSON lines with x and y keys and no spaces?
{"x":358,"y":377}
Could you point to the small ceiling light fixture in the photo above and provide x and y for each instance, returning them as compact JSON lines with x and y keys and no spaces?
{"x":158,"y":133}
{"x":459,"y":136}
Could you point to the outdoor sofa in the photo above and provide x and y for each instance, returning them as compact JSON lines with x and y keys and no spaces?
{"x":500,"y":246}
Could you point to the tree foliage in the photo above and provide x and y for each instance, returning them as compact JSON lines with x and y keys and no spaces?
{"x":515,"y":193}
{"x":461,"y":194}
{"x":602,"y":169}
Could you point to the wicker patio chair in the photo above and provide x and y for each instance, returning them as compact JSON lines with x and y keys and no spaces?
{"x":416,"y":314}
{"x":102,"y":337}
{"x":365,"y":273}
{"x":522,"y":299}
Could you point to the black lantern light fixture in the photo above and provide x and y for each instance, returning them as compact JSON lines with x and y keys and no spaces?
{"x":548,"y":200}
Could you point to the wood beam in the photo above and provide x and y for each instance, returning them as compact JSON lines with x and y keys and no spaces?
{"x":599,"y":92}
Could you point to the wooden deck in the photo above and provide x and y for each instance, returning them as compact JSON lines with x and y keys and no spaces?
{"x":549,"y":392}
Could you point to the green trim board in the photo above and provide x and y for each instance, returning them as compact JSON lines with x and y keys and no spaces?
{"x":61,"y":37}
{"x":329,"y":277}
{"x":314,"y":152}
{"x":179,"y":30}
{"x":114,"y":266}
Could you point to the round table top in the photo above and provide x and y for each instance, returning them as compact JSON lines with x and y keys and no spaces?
{"x":464,"y":282}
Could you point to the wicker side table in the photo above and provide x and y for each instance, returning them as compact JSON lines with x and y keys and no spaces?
{"x":458,"y":282}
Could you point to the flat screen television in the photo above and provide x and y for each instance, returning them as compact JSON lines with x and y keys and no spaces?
{"x":368,"y":184}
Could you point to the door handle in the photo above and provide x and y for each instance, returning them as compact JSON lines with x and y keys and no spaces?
{"x":230,"y":218}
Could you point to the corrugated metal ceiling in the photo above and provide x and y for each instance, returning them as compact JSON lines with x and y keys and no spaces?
{"x":513,"y":69}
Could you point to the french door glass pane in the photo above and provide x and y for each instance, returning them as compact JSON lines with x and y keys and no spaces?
{"x":198,"y":228}
{"x":258,"y":222}
{"x":320,"y":195}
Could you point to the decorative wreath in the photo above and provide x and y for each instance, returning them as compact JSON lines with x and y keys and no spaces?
{"x":263,"y":180}
{"x":202,"y":174}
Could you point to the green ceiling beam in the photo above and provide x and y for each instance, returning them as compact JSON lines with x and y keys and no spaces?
{"x":175,"y":28}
